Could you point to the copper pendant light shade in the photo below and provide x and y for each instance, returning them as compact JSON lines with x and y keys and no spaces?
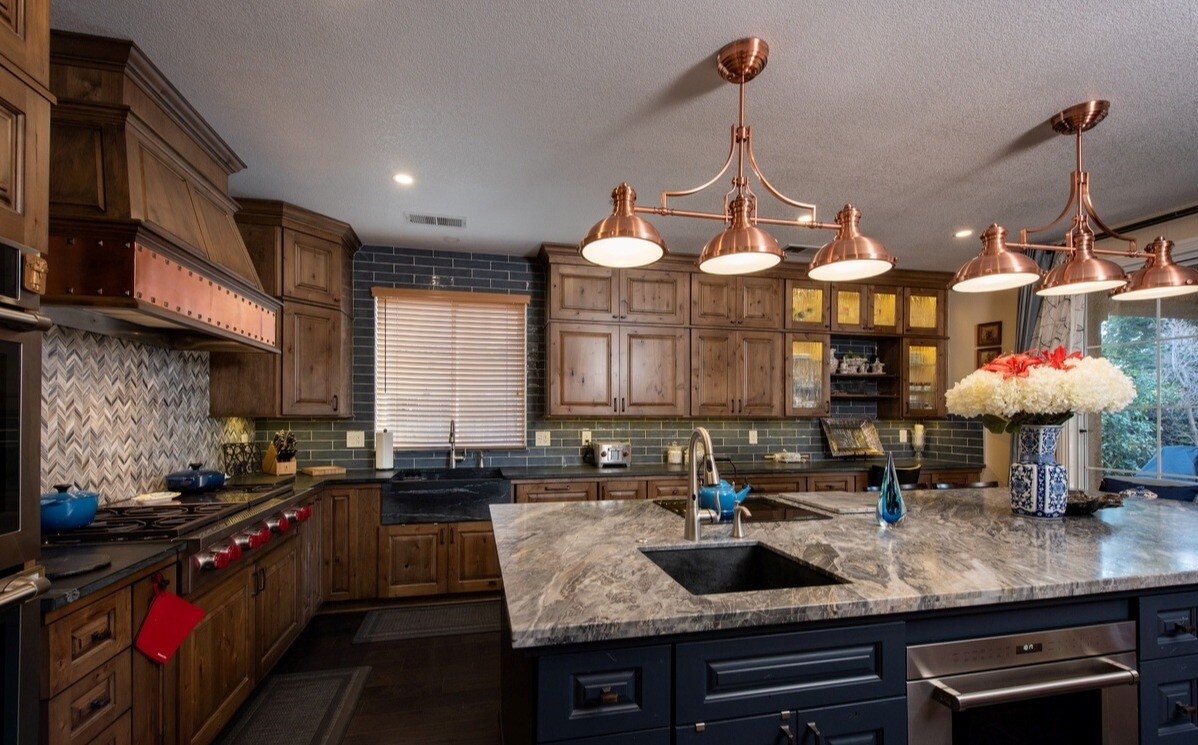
{"x":997,"y":267}
{"x":623,"y":240}
{"x":850,"y":255}
{"x":1159,"y":277}
{"x":743,"y":248}
{"x":1084,"y":272}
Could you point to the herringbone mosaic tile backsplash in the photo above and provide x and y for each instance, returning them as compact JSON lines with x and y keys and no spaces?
{"x":118,"y":416}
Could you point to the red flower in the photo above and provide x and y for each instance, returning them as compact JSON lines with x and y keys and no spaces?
{"x":1013,"y":365}
{"x":1055,"y":358}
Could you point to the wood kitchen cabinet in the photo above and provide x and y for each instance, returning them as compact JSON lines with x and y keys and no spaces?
{"x":808,"y":378}
{"x":807,"y":304}
{"x":473,"y":559}
{"x":591,"y":293}
{"x":556,"y":491}
{"x":745,"y":301}
{"x":436,"y":558}
{"x":923,"y":311}
{"x":857,"y":308}
{"x":614,"y":370}
{"x":923,"y":379}
{"x":621,"y":489}
{"x":311,"y":538}
{"x":306,"y":260}
{"x":277,"y":603}
{"x":350,"y":528}
{"x":736,"y":373}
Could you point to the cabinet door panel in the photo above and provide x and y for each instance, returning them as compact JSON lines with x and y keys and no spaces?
{"x":713,"y":360}
{"x":832,"y":482}
{"x":923,"y":311}
{"x":582,"y":293}
{"x":276,"y":604}
{"x":311,"y":269}
{"x":557,"y":491}
{"x":413,"y":559}
{"x":24,"y":162}
{"x":760,"y":302}
{"x":759,"y":363}
{"x":656,"y":371}
{"x":583,"y":369}
{"x":849,"y":307}
{"x":473,"y":560}
{"x":807,"y":305}
{"x":713,"y":300}
{"x":666,"y":488}
{"x":885,"y":309}
{"x":808,"y":378}
{"x":216,"y":661}
{"x":1168,"y":693}
{"x":25,"y":36}
{"x":648,"y":296}
{"x":923,"y":379}
{"x":621,"y":489}
{"x":312,"y":366}
{"x":869,"y":723}
{"x":351,"y":523}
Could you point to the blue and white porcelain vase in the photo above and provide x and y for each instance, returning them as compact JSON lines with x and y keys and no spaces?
{"x":1039,"y":485}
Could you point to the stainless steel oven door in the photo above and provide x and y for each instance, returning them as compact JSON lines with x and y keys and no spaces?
{"x":20,"y":414}
{"x":20,"y":660}
{"x":1093,"y":700}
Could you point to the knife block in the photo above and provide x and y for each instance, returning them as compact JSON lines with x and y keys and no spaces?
{"x":272,"y":464}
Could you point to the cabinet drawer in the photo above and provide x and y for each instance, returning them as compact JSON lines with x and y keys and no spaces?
{"x":557,"y":491}
{"x":120,"y":733}
{"x":1168,"y":695}
{"x":87,"y":638}
{"x":756,"y":675}
{"x":832,"y":482}
{"x":94,"y":702}
{"x":868,"y":723}
{"x":667,"y":488}
{"x":601,"y":693}
{"x":766,"y":729}
{"x":1168,"y":625}
{"x":621,"y":489}
{"x":776,"y":486}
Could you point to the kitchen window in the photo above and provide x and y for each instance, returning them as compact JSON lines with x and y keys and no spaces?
{"x":450,"y":356}
{"x":1156,"y":343}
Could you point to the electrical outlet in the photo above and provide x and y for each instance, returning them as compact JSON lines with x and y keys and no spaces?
{"x":903,"y":436}
{"x":752,"y":437}
{"x":245,"y":438}
{"x":355,"y":438}
{"x":586,"y":437}
{"x":543,"y":440}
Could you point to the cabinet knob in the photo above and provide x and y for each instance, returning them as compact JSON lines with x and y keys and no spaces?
{"x":1182,"y":628}
{"x":1185,"y":709}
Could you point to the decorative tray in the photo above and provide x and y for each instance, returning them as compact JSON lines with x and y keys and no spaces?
{"x":1080,"y":503}
{"x":852,"y":436}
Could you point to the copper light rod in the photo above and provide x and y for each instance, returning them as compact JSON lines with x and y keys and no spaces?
{"x":672,"y":212}
{"x":1130,"y":254}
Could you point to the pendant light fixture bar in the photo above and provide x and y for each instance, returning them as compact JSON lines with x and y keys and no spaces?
{"x":742,"y":247}
{"x":999,"y":267}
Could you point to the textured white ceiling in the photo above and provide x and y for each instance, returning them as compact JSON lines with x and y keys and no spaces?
{"x":521,"y":116}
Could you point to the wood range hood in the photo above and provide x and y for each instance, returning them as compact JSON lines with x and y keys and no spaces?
{"x":142,"y":238}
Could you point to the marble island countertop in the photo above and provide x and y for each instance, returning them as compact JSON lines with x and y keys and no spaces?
{"x":574,"y":572}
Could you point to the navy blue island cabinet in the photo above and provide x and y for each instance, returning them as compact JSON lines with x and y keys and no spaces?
{"x":828,"y":683}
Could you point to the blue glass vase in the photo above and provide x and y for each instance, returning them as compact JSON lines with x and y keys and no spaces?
{"x":891,"y":507}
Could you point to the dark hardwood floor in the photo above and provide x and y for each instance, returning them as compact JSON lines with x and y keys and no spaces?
{"x":420,"y":691}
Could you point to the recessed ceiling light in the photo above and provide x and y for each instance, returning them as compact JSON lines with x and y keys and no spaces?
{"x":963,"y":233}
{"x":404,"y":179}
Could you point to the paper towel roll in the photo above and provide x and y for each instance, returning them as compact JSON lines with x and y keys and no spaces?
{"x":384,"y":451}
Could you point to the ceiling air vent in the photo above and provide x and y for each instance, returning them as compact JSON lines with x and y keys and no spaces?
{"x":437,"y":221}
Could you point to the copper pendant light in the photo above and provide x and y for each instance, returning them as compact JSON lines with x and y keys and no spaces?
{"x":1159,"y":277}
{"x":850,"y":255}
{"x":623,"y":239}
{"x":999,"y":267}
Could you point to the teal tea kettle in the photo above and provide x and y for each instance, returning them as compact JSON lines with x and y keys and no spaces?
{"x":725,"y":495}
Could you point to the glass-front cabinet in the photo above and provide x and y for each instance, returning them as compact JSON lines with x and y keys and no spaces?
{"x":849,"y":307}
{"x":885,"y":310}
{"x":807,"y":375}
{"x":807,"y":305}
{"x":923,"y":378}
{"x":924,"y":311}
{"x":867,"y":308}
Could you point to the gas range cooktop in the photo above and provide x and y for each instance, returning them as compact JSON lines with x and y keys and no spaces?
{"x":762,"y":509}
{"x":156,"y":522}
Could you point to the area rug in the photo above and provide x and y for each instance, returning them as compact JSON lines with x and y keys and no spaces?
{"x":316,"y":707}
{"x":422,"y":621}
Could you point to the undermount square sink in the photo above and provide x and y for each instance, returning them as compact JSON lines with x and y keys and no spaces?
{"x":712,"y":570}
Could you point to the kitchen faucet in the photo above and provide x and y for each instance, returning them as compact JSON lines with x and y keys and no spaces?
{"x":695,"y":516}
{"x":453,"y":458}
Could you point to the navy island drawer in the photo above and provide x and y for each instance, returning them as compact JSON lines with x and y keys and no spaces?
{"x":1168,"y":624}
{"x":780,"y":672}
{"x":767,"y":729}
{"x":585,"y":694}
{"x":1169,"y":700}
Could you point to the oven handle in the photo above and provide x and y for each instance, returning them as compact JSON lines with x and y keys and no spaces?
{"x":23,"y":588}
{"x":24,"y":319}
{"x":1114,"y":674}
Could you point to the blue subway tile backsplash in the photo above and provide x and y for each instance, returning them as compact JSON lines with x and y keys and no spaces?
{"x":323,"y":441}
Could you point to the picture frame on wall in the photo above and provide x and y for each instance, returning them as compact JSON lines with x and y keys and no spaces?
{"x":989,"y":334}
{"x":987,"y":355}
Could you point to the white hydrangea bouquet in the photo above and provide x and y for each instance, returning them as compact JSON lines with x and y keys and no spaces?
{"x":1045,"y":387}
{"x":1033,"y":394}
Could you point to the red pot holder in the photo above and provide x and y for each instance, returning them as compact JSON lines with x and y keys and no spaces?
{"x":168,"y":622}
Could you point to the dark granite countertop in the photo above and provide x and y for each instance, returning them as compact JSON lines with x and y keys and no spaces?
{"x":759,"y":467}
{"x":127,"y":559}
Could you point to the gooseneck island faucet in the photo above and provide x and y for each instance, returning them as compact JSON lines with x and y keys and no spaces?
{"x":696,"y":516}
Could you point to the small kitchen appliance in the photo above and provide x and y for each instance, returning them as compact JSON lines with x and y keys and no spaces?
{"x":608,"y":454}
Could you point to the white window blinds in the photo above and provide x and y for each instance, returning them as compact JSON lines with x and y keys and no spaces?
{"x":442,"y":356}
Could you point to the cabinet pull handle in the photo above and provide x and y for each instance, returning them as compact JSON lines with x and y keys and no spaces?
{"x":1182,"y":628}
{"x":336,"y":402}
{"x":99,"y":703}
{"x":819,"y":738}
{"x":613,"y":404}
{"x":451,"y":536}
{"x":790,"y":736}
{"x":608,"y":696}
{"x":441,"y":536}
{"x":623,"y":406}
{"x":1186,"y":709}
{"x":102,"y":635}
{"x":556,"y":487}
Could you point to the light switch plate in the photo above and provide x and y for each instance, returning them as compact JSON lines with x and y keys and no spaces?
{"x":355,"y":438}
{"x":902,"y":435}
{"x":543,"y":440}
{"x":586,"y":437}
{"x":752,"y":437}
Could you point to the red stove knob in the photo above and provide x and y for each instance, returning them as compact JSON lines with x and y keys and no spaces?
{"x":260,"y":537}
{"x":293,"y":517}
{"x":305,"y":512}
{"x":245,"y":542}
{"x":278,"y":524}
{"x":213,"y":560}
{"x":233,"y":550}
